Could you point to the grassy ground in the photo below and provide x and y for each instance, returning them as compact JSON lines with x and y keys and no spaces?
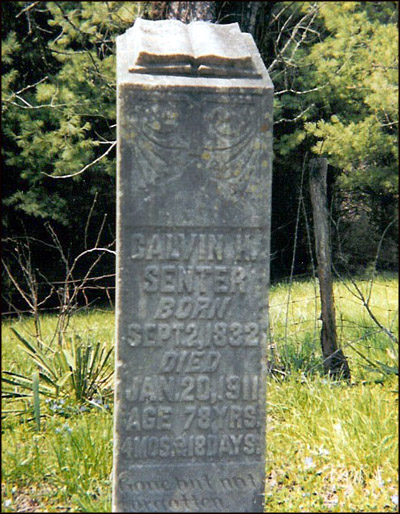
{"x":66,"y":466}
{"x":331,"y":447}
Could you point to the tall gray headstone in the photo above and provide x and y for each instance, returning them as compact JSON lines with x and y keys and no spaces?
{"x":194,"y":199}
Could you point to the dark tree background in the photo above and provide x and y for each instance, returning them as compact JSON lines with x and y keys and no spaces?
{"x":334,"y":67}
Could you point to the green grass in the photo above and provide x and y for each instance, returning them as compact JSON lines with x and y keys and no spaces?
{"x":331,"y":447}
{"x":66,"y":466}
{"x":295,"y":327}
{"x":89,"y":323}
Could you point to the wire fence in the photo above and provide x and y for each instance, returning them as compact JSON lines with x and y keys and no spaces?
{"x":295,"y":319}
{"x":294,"y":306}
{"x":366,"y":306}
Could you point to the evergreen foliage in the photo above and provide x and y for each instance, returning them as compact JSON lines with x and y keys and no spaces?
{"x":334,"y":67}
{"x":63,"y":117}
{"x":359,"y":62}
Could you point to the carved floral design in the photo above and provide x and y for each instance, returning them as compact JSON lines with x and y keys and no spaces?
{"x":181,"y":131}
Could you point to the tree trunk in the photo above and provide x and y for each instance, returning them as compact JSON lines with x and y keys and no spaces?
{"x":250,"y":20}
{"x":335,"y":362}
{"x":191,"y":11}
{"x":247,"y":14}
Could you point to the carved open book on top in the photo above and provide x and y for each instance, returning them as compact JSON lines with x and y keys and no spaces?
{"x":169,"y":47}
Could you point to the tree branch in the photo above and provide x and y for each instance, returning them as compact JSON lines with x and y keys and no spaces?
{"x":27,"y":8}
{"x":296,"y":118}
{"x":85,"y":167}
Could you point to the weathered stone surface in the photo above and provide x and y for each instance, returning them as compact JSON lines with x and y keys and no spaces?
{"x":194,"y":179}
{"x":171,"y":47}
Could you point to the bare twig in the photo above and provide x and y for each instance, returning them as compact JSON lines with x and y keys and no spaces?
{"x":275,"y":17}
{"x":290,"y":120}
{"x":101,"y":231}
{"x":31,"y":86}
{"x":280,"y":52}
{"x":290,"y":90}
{"x":378,"y":251}
{"x":27,"y":8}
{"x":295,"y":245}
{"x":365,"y":300}
{"x":89,"y":217}
{"x":23,"y":293}
{"x":85,"y":167}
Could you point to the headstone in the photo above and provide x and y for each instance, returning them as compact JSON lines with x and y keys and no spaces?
{"x":194,"y":198}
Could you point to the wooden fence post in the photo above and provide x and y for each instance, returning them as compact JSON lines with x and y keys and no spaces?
{"x":335,"y":362}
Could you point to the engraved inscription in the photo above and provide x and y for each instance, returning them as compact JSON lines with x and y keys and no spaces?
{"x":195,"y":335}
{"x":193,"y":404}
{"x":181,"y":279}
{"x":184,"y":493}
{"x":201,"y":484}
{"x":186,"y":503}
{"x":202,"y":307}
{"x":186,"y":388}
{"x":198,"y":247}
{"x":211,"y":445}
{"x":177,"y":246}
